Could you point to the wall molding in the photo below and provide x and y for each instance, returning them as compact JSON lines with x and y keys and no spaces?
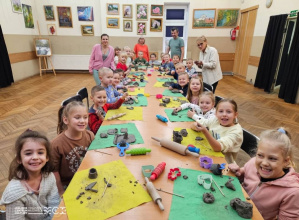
{"x":254,"y":61}
{"x":23,"y":56}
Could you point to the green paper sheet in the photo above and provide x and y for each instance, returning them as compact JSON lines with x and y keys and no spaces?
{"x":167,"y":92}
{"x":100,"y":143}
{"x":142,"y":101}
{"x":193,"y":207}
{"x":182,"y":115}
{"x":137,"y":73}
{"x":166,"y":80}
{"x":141,"y":84}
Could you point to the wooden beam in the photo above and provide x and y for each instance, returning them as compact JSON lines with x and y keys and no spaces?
{"x":23,"y":56}
{"x":254,"y":61}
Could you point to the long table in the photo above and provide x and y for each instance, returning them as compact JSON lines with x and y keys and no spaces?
{"x":150,"y":127}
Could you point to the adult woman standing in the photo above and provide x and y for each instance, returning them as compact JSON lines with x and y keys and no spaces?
{"x":141,"y":46}
{"x":102,"y":55}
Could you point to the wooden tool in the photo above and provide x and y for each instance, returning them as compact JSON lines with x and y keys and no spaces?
{"x":116,"y":116}
{"x":179,"y":148}
{"x":154,"y":193}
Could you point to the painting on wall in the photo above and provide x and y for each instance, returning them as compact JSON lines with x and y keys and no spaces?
{"x":156,"y":24}
{"x":52,"y":29}
{"x":141,"y":28}
{"x":203,"y":18}
{"x":227,"y":18}
{"x":49,"y":12}
{"x":112,"y":9}
{"x":112,"y":22}
{"x":128,"y":25}
{"x":156,"y":10}
{"x":87,"y":30}
{"x":16,"y":6}
{"x":85,"y":13}
{"x":28,"y":16}
{"x":64,"y":17}
{"x":127,"y":11}
{"x":42,"y":47}
{"x":141,"y":12}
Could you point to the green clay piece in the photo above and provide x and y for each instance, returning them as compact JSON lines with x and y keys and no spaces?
{"x":138,"y":151}
{"x":147,"y":170}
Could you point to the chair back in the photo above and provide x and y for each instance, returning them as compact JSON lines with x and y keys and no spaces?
{"x":207,"y":87}
{"x":71,"y":99}
{"x":249,"y":144}
{"x":84,"y":95}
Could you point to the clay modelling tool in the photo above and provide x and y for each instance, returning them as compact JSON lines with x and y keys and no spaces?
{"x":205,"y":180}
{"x":138,"y":151}
{"x":158,"y":170}
{"x":162,"y":118}
{"x":170,"y":193}
{"x":116,"y":116}
{"x":147,"y":170}
{"x":122,"y":145}
{"x":174,"y":173}
{"x":154,"y":193}
{"x":179,"y":148}
{"x":205,"y":162}
{"x":218,"y":187}
{"x":90,"y":187}
{"x":102,"y":152}
{"x":105,"y":188}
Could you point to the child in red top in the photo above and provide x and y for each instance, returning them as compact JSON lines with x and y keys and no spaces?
{"x":122,"y":62}
{"x":100,"y":107}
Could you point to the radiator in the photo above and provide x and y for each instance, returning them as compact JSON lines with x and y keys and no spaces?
{"x":70,"y":62}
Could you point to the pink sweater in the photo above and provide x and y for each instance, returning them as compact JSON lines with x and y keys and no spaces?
{"x":274,"y":198}
{"x":96,"y":59}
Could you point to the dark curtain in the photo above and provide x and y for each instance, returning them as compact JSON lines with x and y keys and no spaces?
{"x":6,"y":77}
{"x":270,"y":52}
{"x":290,"y":81}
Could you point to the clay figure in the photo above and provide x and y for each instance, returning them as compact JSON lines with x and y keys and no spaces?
{"x":101,"y":110}
{"x":243,"y":208}
{"x":184,"y":132}
{"x":93,"y":173}
{"x":103,"y":135}
{"x":229,"y":185}
{"x":177,"y":137}
{"x":215,"y":168}
{"x":112,"y":131}
{"x":198,"y":138}
{"x":208,"y":198}
{"x":166,"y":100}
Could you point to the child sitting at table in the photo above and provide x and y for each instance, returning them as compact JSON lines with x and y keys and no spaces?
{"x":190,"y":69}
{"x":179,"y":67}
{"x":123,"y":80}
{"x":100,"y":107}
{"x":116,"y":54}
{"x":153,"y":60}
{"x":122,"y":62}
{"x":183,"y":83}
{"x":224,"y":133}
{"x":140,"y":60}
{"x":162,"y":58}
{"x":130,"y":56}
{"x":270,"y":179}
{"x":167,"y":65}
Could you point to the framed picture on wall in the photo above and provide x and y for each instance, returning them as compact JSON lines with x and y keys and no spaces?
{"x":112,"y":22}
{"x":227,"y":18}
{"x":87,"y":30}
{"x":203,"y":18}
{"x":85,"y":13}
{"x":49,"y":12}
{"x":52,"y":29}
{"x":141,"y":28}
{"x":28,"y":16}
{"x":128,"y":25}
{"x":156,"y":24}
{"x":141,"y":12}
{"x":42,"y":47}
{"x":127,"y":11}
{"x":156,"y":10}
{"x":64,"y":17}
{"x":16,"y":6}
{"x":112,"y":9}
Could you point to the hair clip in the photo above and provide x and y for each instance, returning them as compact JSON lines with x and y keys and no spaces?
{"x":281,"y":130}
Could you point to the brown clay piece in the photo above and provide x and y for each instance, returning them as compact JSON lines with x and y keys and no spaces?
{"x":162,"y":104}
{"x":112,"y":131}
{"x":208,"y":198}
{"x":243,"y":208}
{"x":184,"y":132}
{"x":229,"y":185}
{"x":175,"y":91}
{"x":174,"y":112}
{"x":177,"y":137}
{"x":166,"y":100}
{"x":103,"y":135}
{"x":129,"y":138}
{"x":198,"y":138}
{"x":124,"y":130}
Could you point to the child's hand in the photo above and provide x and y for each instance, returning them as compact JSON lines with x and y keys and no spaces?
{"x":178,"y":109}
{"x":170,"y":88}
{"x":172,"y":72}
{"x":190,"y":113}
{"x":124,"y":96}
{"x":235,"y":169}
{"x":181,"y":91}
{"x":198,"y":127}
{"x":198,"y":63}
{"x":100,"y":115}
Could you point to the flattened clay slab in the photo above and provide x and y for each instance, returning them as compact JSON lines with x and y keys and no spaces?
{"x":119,"y":137}
{"x":103,"y":135}
{"x":112,"y":131}
{"x":123,"y":130}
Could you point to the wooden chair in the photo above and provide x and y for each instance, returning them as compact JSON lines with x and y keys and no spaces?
{"x":207,"y":87}
{"x":249,"y":144}
{"x":84,"y":94}
{"x":71,"y":99}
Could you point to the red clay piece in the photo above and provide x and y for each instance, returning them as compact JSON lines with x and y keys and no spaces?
{"x":159,"y":96}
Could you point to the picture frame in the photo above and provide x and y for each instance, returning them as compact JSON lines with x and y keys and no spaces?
{"x":127,"y":11}
{"x":87,"y":30}
{"x":141,"y":12}
{"x":85,"y":13}
{"x":222,"y":15}
{"x":16,"y":6}
{"x":28,"y":16}
{"x":156,"y":10}
{"x":156,"y":24}
{"x":112,"y":22}
{"x":52,"y":29}
{"x":49,"y":12}
{"x":64,"y":15}
{"x":141,"y":28}
{"x":112,"y":9}
{"x":204,"y":18}
{"x":128,"y":25}
{"x":42,"y":47}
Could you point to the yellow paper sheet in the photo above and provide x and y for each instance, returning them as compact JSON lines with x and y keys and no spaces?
{"x":117,"y":198}
{"x":204,"y":146}
{"x":174,"y":104}
{"x":159,"y":84}
{"x":131,"y":115}
{"x":136,"y":91}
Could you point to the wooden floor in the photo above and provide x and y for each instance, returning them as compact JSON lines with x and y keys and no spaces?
{"x":34,"y":102}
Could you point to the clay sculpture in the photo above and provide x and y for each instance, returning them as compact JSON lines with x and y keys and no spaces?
{"x":177,"y":137}
{"x":184,"y":132}
{"x":215,"y":168}
{"x":101,"y":110}
{"x":166,"y":100}
{"x":93,"y":173}
{"x":229,"y":184}
{"x":129,"y":138}
{"x":243,"y":208}
{"x":208,"y":198}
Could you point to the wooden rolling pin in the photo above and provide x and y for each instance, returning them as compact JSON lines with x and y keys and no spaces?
{"x":154,"y":193}
{"x":116,"y":116}
{"x":176,"y":147}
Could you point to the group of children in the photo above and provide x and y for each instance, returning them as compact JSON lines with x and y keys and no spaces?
{"x":39,"y":166}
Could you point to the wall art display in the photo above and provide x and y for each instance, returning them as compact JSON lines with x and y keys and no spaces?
{"x":141,"y":12}
{"x":87,"y":30}
{"x":156,"y":24}
{"x":141,"y":28}
{"x":64,"y":17}
{"x":85,"y":13}
{"x":127,"y":11}
{"x":112,"y":9}
{"x":16,"y":6}
{"x":128,"y":25}
{"x":227,"y":18}
{"x":52,"y":29}
{"x":112,"y":22}
{"x":49,"y":12}
{"x":203,"y":18}
{"x":156,"y":10}
{"x":28,"y":16}
{"x":42,"y":47}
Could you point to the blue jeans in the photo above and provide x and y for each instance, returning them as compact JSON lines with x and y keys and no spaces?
{"x":96,"y":77}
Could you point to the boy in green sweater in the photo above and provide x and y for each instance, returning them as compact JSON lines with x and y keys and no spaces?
{"x":140,"y":60}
